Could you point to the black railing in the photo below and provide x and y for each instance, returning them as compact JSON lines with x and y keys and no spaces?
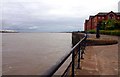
{"x":77,"y":50}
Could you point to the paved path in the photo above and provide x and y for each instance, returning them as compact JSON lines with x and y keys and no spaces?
{"x":100,"y":60}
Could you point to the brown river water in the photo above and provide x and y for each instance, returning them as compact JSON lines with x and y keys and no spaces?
{"x":33,"y":53}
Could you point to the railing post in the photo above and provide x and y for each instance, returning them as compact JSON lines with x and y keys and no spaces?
{"x":55,"y":67}
{"x":73,"y":62}
{"x":79,"y":56}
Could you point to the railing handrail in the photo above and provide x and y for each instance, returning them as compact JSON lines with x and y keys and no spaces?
{"x":55,"y":67}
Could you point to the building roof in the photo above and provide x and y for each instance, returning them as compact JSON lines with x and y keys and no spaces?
{"x":105,"y":13}
{"x":118,"y":13}
{"x":86,"y":21}
{"x":102,"y":13}
{"x":91,"y":17}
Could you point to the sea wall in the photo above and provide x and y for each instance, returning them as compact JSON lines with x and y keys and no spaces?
{"x":76,"y":37}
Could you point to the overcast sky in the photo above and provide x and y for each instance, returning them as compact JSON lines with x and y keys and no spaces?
{"x":51,"y":15}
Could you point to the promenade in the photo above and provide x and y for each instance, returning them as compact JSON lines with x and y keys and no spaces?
{"x":100,"y":60}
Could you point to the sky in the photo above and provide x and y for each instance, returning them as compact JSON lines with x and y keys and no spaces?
{"x":51,"y":15}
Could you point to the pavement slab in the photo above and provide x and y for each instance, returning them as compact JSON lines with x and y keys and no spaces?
{"x":100,"y":60}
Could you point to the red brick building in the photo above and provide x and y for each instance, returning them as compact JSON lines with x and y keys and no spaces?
{"x":93,"y":20}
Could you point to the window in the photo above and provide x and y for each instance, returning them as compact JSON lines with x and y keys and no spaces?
{"x":102,"y":17}
{"x":99,"y":17}
{"x":118,"y":18}
{"x":111,"y":16}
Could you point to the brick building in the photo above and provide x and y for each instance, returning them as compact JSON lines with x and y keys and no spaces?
{"x":91,"y":23}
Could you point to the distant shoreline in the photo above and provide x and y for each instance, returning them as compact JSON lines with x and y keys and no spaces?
{"x":8,"y":31}
{"x":13,"y":31}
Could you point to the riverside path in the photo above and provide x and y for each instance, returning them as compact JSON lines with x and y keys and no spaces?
{"x":100,"y":60}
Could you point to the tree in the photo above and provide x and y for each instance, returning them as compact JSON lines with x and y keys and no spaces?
{"x":110,"y":24}
{"x":102,"y":27}
{"x":117,"y":25}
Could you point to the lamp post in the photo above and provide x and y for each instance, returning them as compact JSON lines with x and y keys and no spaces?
{"x":97,"y":30}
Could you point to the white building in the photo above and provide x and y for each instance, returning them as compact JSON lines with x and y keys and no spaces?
{"x":119,"y":6}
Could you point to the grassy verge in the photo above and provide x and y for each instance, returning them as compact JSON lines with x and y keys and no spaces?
{"x":107,"y":32}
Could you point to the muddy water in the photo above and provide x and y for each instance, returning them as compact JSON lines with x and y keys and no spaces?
{"x":32,"y":53}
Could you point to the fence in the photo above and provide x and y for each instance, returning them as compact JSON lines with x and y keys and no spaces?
{"x":76,"y":52}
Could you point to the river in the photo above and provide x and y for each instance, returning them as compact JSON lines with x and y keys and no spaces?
{"x":33,"y":53}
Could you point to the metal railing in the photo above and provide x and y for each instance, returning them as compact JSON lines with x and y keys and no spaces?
{"x":79,"y":47}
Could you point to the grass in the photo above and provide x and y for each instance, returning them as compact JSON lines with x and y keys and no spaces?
{"x":107,"y":32}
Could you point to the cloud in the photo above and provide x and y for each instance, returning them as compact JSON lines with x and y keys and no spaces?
{"x":50,"y":15}
{"x":33,"y":27}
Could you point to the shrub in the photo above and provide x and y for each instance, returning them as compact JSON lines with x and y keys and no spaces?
{"x":106,"y":32}
{"x":92,"y":31}
{"x":110,"y":32}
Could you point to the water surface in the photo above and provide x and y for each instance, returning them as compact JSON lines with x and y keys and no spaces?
{"x":32,"y":53}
